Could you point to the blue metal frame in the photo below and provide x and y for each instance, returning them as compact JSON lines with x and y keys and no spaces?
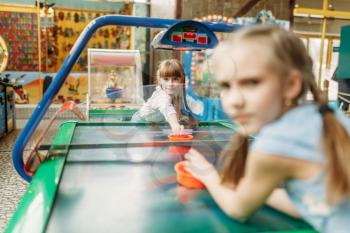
{"x":71,"y":59}
{"x":187,"y":60}
{"x":212,"y":109}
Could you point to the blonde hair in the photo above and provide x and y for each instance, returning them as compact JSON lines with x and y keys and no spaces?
{"x":173,"y":68}
{"x":288,"y":52}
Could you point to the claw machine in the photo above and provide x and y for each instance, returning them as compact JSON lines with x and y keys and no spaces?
{"x":114,"y":84}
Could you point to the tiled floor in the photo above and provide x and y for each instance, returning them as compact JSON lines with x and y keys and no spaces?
{"x":12,"y":189}
{"x":12,"y":186}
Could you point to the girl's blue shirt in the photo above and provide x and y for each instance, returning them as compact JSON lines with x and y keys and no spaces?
{"x":298,"y":134}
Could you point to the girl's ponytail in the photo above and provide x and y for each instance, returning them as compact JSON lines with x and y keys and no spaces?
{"x":336,"y":142}
{"x":233,"y":160}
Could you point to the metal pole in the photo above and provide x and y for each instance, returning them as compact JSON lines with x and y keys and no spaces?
{"x":324,"y":29}
{"x":39,"y":44}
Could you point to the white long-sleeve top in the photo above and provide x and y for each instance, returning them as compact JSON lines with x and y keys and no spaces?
{"x":157,"y":108}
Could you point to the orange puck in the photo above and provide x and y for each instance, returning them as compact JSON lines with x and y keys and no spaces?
{"x":185,"y":178}
{"x":180,"y":137}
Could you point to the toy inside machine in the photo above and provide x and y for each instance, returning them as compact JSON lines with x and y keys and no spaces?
{"x":115,"y":83}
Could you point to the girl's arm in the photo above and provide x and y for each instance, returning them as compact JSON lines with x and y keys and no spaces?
{"x":174,"y":124}
{"x":262,"y":175}
{"x":280,"y":200}
{"x":168,"y":110}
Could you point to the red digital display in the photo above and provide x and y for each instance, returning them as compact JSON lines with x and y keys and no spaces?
{"x":177,"y":38}
{"x":190,"y":35}
{"x":202,"y":40}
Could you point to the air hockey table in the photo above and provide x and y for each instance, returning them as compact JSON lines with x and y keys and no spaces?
{"x":119,"y":177}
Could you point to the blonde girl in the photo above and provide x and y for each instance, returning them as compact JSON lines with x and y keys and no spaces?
{"x":265,"y":73}
{"x":166,"y":101}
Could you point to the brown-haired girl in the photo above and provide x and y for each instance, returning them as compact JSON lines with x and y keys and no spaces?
{"x":265,"y":73}
{"x":165,"y":102}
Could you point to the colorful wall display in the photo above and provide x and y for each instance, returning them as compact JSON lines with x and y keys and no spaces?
{"x":19,"y":30}
{"x":70,"y":24}
{"x":30,"y":89}
{"x":74,"y":88}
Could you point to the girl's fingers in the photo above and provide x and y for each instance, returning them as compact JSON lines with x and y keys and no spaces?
{"x":190,"y":160}
{"x":194,"y":153}
{"x":188,"y":167}
{"x":178,"y":130}
{"x":181,"y":129}
{"x":187,"y":164}
{"x":191,"y":151}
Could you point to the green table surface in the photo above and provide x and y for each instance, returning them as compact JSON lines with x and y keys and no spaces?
{"x":120,"y":178}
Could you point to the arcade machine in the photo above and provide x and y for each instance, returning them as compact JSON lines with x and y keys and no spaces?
{"x":115,"y":83}
{"x":119,"y":176}
{"x":7,"y":106}
{"x":203,"y":107}
{"x":2,"y":109}
{"x":10,"y":109}
{"x":9,"y":102}
{"x":202,"y":91}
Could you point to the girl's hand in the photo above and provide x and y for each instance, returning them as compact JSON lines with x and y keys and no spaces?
{"x":177,"y":129}
{"x":174,"y":124}
{"x":200,"y":168}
